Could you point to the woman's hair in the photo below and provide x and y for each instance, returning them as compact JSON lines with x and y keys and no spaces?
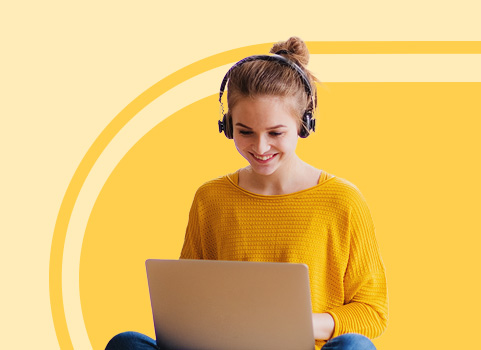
{"x":271,"y":78}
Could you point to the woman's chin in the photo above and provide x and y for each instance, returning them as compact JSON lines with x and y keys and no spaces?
{"x":263,"y":170}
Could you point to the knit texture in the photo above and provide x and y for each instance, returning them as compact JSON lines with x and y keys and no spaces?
{"x":328,"y":227}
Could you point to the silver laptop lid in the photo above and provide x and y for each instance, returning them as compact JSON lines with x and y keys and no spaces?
{"x":230,"y":305}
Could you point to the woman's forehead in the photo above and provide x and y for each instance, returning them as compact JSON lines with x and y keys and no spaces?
{"x":264,"y":110}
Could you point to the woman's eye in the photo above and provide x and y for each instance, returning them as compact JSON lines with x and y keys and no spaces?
{"x":275,"y":133}
{"x":245,"y":132}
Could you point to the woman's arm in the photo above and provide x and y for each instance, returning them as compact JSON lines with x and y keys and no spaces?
{"x":365,"y":308}
{"x":323,"y":325}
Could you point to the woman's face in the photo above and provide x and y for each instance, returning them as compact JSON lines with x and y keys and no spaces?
{"x":265,"y":132}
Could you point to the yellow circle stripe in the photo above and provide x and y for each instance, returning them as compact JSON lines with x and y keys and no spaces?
{"x":171,"y":81}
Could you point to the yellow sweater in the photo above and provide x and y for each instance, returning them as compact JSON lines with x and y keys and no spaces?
{"x":328,"y":227}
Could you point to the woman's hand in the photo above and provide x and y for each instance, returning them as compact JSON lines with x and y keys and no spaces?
{"x":323,"y":325}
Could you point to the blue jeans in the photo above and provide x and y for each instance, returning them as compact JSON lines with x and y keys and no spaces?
{"x":134,"y":340}
{"x":350,"y":341}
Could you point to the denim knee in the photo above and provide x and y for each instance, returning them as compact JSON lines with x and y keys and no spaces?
{"x":349,"y":341}
{"x":131,"y":340}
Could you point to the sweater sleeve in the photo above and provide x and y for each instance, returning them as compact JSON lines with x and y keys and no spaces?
{"x":192,"y":248}
{"x":365,"y":309}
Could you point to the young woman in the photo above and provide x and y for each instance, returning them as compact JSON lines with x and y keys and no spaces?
{"x":281,"y":209}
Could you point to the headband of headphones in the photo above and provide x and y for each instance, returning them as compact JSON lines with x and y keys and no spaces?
{"x":271,"y":58}
{"x":308,"y":123}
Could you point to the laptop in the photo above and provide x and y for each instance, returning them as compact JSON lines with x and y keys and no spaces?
{"x":230,"y":305}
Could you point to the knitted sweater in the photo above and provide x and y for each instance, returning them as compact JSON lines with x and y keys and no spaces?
{"x":328,"y":227}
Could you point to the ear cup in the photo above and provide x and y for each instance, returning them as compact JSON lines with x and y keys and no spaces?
{"x":308,"y":124}
{"x":226,"y":126}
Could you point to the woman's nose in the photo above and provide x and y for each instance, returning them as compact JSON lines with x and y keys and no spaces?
{"x":261,"y":145}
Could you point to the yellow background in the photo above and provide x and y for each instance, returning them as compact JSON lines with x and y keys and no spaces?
{"x":68,"y":69}
{"x":418,"y":184}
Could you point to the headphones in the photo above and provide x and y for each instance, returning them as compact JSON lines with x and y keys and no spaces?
{"x":308,"y":122}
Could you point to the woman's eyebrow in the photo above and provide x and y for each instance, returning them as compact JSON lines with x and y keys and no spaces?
{"x":277,"y":126}
{"x":272,"y":127}
{"x":242,"y":125}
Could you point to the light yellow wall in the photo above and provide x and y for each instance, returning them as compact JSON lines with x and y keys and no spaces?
{"x":68,"y":70}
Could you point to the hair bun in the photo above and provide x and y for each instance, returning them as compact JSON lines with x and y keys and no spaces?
{"x":294,"y":49}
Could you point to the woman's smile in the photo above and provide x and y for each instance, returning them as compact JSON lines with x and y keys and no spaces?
{"x":265,"y":158}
